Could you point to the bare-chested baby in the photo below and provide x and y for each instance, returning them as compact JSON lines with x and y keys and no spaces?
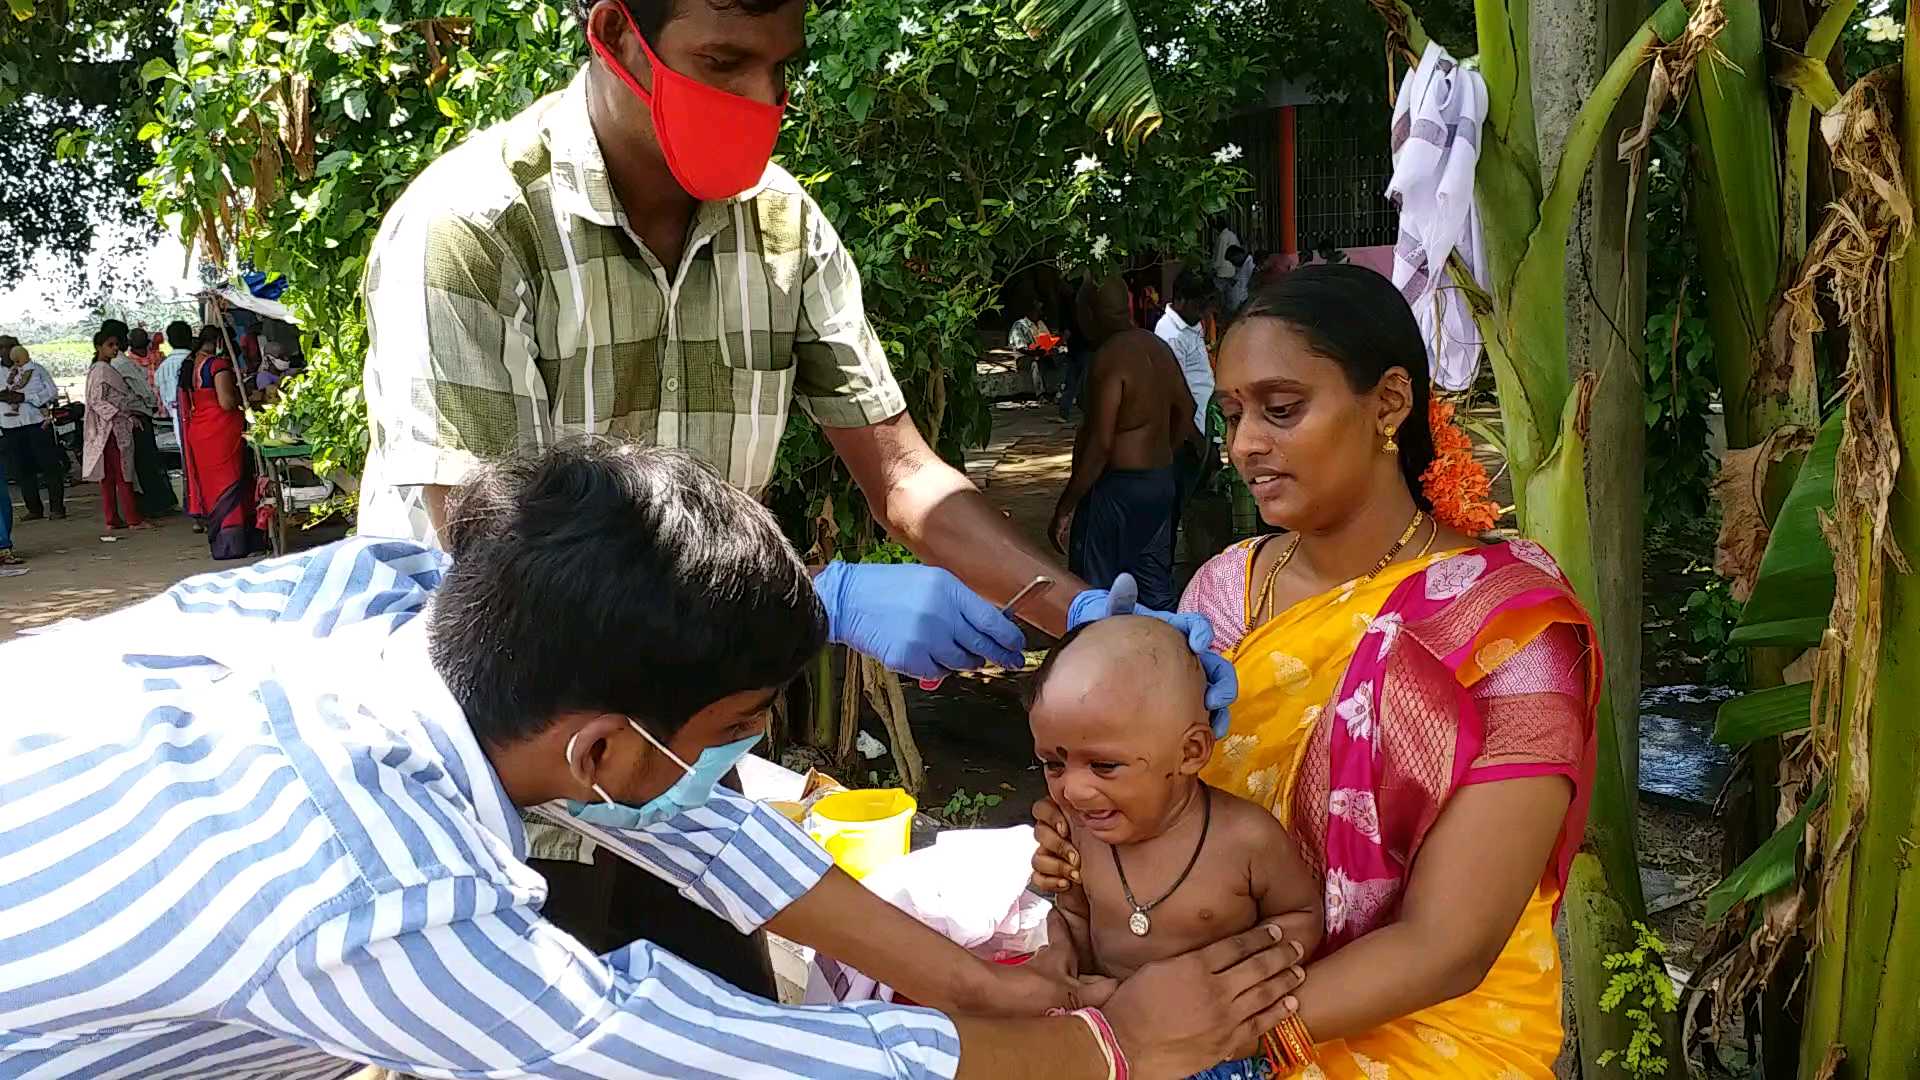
{"x":1167,"y":863}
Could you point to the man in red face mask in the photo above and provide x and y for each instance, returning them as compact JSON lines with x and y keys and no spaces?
{"x":621,"y":258}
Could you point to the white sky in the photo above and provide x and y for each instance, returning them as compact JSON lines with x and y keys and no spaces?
{"x":43,"y":296}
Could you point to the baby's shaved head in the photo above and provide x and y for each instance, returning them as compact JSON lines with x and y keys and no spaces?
{"x":1139,"y":668}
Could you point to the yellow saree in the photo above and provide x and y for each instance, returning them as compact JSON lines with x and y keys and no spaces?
{"x":1292,"y":670}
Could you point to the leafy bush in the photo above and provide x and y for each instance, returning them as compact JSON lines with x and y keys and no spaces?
{"x":1682,"y":381}
{"x":933,"y":136}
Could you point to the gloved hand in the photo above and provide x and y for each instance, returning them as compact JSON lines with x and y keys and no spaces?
{"x":1123,"y":599}
{"x":918,"y":620}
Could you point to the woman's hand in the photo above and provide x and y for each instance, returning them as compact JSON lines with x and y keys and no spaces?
{"x":1056,"y":865}
{"x":1176,"y":1017}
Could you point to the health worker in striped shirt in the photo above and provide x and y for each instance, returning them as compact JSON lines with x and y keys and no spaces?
{"x":623,"y":258}
{"x":280,"y":838}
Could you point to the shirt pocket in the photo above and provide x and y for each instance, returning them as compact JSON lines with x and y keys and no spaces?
{"x":757,"y":298}
{"x":762,"y":401}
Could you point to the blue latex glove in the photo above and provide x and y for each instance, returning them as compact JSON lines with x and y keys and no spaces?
{"x":1123,"y":599}
{"x":918,"y":620}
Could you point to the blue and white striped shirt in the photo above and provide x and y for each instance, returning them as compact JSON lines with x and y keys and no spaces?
{"x":258,"y":837}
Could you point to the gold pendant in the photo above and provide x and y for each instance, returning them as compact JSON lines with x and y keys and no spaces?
{"x":1138,"y":923}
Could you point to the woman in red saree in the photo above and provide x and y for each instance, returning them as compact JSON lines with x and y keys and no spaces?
{"x":213,"y":450}
{"x":1417,"y":707}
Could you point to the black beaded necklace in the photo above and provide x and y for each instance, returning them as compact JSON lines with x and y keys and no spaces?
{"x":1138,"y":922}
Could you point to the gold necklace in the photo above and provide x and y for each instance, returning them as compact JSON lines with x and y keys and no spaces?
{"x":1266,"y":589}
{"x":1431,"y":537}
{"x":1264,"y":609}
{"x":1419,"y":519}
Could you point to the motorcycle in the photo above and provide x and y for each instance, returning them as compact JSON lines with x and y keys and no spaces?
{"x":69,"y":431}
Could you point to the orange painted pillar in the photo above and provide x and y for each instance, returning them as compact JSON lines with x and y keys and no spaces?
{"x":1284,"y":158}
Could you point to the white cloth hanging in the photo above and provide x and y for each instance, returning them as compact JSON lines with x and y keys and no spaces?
{"x":1438,"y":120}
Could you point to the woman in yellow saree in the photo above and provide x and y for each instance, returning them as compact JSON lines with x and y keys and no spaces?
{"x":1415,"y":706}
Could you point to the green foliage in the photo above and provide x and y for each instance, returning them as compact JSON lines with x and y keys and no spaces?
{"x":1763,"y":714}
{"x":69,"y":105}
{"x":383,"y":86}
{"x":1873,"y":37}
{"x":1100,"y":43}
{"x":942,"y":146}
{"x":1793,"y":595}
{"x":934,"y":137}
{"x":1710,"y":614}
{"x":324,"y":407}
{"x":1641,"y":983}
{"x":1771,"y":866}
{"x":966,"y":811}
{"x":1681,"y":380}
{"x":63,"y":359}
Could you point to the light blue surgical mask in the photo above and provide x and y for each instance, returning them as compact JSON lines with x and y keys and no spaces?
{"x":691,"y":791}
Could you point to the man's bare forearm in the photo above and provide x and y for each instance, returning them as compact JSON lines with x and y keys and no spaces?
{"x":934,"y":510}
{"x":841,"y":919}
{"x":948,"y":522}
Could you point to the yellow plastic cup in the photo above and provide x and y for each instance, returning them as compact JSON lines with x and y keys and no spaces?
{"x":864,"y":828}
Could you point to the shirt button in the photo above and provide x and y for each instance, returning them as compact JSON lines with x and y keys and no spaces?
{"x":673,"y":384}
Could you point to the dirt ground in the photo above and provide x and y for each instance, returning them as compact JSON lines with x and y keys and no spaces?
{"x":73,"y":574}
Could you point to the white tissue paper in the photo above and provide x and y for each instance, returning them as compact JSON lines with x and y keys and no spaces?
{"x":970,"y":887}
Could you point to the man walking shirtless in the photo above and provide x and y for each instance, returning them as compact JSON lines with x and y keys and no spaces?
{"x":1116,"y":514}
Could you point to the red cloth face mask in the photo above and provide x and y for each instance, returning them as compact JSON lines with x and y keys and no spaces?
{"x":716,"y":144}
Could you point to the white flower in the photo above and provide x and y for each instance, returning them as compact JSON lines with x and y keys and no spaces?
{"x":813,"y":68}
{"x":1099,"y":249}
{"x":1454,"y":577}
{"x":897,"y":60}
{"x":953,"y":15}
{"x":1229,"y":152}
{"x":1087,"y":163}
{"x":911,"y":26}
{"x":1388,"y":627}
{"x":1356,"y":808}
{"x":1883,"y":28}
{"x":1529,"y":552}
{"x":1337,"y":888}
{"x":1357,"y":711}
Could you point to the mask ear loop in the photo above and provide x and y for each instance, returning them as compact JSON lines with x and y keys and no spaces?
{"x":658,"y":745}
{"x":597,"y":789}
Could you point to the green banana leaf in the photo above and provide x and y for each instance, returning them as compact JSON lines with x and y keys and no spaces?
{"x":1769,"y":867}
{"x":1794,"y":593}
{"x":1100,"y":42}
{"x":1764,"y":714}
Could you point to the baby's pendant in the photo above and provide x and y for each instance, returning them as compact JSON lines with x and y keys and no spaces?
{"x":1138,"y":923}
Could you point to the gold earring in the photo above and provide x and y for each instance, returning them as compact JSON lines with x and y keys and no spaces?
{"x":1391,"y":447}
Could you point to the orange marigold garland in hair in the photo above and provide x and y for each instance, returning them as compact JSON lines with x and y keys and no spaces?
{"x":1456,"y":483}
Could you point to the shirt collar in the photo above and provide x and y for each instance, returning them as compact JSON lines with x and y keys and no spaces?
{"x":581,"y":185}
{"x":1178,"y":322}
{"x":411,"y":673}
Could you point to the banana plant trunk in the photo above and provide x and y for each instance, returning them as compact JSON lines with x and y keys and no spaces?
{"x":1867,"y":964}
{"x":1547,"y":406}
{"x":1751,"y":208}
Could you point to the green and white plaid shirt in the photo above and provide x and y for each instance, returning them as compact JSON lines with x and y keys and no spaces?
{"x":508,"y":301}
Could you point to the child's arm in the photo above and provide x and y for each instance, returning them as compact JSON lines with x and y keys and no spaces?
{"x":1067,"y":932}
{"x":1068,"y":924}
{"x":1285,"y":888}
